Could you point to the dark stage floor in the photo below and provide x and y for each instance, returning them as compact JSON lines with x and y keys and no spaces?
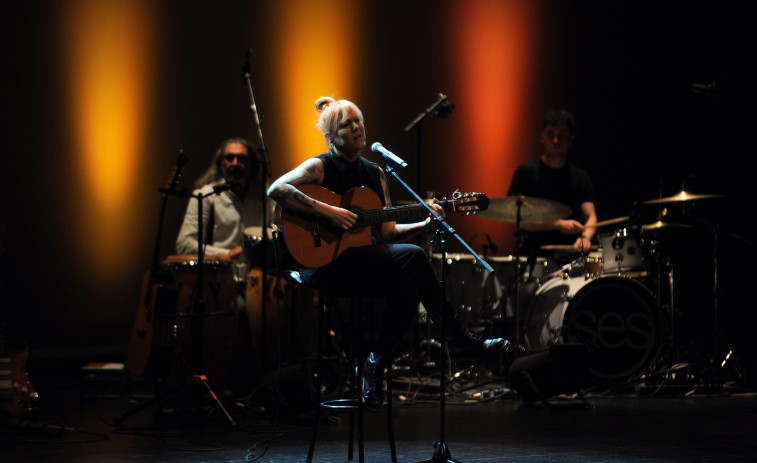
{"x":685,"y":423}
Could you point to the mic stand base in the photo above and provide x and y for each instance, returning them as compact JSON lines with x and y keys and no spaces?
{"x":441,"y":454}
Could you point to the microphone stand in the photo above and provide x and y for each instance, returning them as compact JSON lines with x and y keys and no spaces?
{"x":441,"y":452}
{"x":265,"y":173}
{"x":417,"y":122}
{"x":196,"y":311}
{"x":197,"y":308}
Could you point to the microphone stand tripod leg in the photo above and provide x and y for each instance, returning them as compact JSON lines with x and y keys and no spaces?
{"x":204,"y":381}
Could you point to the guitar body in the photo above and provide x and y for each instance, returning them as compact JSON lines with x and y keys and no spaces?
{"x":315,"y":241}
{"x":17,"y":396}
{"x":151,"y":345}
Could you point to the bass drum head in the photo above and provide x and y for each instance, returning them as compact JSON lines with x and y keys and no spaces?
{"x":618,"y":320}
{"x":543,"y":323}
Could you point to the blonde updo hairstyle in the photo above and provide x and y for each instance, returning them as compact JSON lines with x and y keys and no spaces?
{"x":331,"y":114}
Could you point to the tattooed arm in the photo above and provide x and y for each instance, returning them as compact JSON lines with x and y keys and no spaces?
{"x":284,"y":191}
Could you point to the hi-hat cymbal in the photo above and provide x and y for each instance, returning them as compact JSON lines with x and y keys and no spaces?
{"x":682,"y":196}
{"x":531,"y":210}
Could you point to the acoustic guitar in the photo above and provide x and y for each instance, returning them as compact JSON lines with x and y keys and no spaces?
{"x":314,"y":241}
{"x":151,"y":342}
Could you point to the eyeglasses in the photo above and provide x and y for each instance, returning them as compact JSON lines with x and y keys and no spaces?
{"x":229,"y":157}
{"x":559,"y":135}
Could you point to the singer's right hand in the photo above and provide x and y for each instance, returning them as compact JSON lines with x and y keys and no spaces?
{"x":342,"y":218}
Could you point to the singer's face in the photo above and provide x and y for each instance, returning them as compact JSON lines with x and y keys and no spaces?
{"x":350,"y":135}
{"x":556,"y":139}
{"x":235,"y":163}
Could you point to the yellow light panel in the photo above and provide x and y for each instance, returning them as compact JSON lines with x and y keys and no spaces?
{"x":318,"y":46}
{"x":107,"y":70}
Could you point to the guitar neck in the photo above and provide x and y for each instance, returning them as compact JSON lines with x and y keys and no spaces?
{"x":398,"y":213}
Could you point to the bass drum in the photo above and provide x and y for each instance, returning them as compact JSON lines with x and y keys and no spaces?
{"x":617,"y":318}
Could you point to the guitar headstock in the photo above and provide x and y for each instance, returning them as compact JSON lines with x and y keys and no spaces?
{"x":469,"y":203}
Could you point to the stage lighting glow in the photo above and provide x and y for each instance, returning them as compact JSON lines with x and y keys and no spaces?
{"x":319,"y":44}
{"x":107,"y":74}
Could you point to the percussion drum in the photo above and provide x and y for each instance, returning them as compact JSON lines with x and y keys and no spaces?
{"x":617,"y":318}
{"x":219,"y":286}
{"x":621,"y":252}
{"x":219,"y":322}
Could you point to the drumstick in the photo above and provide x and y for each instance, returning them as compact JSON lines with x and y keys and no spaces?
{"x":608,"y":222}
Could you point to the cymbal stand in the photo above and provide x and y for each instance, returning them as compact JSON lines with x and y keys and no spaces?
{"x":441,"y":451}
{"x":516,"y":285}
{"x":715,"y":287}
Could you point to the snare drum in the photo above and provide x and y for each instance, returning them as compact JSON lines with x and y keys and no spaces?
{"x":621,"y":252}
{"x":617,"y":318}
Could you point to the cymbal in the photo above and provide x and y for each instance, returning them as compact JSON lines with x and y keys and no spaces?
{"x":608,"y":222}
{"x":660,"y":224}
{"x":682,"y":196}
{"x":532,"y":209}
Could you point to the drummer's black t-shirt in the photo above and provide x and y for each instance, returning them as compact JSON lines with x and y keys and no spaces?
{"x":569,"y":185}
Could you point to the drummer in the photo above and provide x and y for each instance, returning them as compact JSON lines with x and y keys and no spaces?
{"x":237,"y":206}
{"x":552,"y":177}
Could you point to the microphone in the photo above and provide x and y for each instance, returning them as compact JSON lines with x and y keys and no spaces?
{"x":444,"y":109}
{"x":226,"y":186}
{"x":246,"y":68}
{"x":388,"y":155}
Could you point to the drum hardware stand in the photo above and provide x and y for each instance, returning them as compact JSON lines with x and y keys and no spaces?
{"x":713,"y":362}
{"x":519,"y":235}
{"x":441,"y":451}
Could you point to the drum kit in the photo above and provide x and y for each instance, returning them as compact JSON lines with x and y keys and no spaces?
{"x":616,"y":298}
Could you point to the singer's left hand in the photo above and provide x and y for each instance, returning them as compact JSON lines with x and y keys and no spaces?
{"x":437,"y":208}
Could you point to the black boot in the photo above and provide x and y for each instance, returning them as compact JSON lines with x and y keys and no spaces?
{"x":465,"y":345}
{"x":373,"y":382}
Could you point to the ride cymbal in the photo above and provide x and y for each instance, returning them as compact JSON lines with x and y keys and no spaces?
{"x":682,"y":196}
{"x":531,"y":209}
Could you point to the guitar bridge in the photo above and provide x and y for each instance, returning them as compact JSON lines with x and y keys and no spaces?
{"x":316,"y":234}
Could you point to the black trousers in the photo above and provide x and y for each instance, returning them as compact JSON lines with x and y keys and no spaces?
{"x":401,"y":273}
